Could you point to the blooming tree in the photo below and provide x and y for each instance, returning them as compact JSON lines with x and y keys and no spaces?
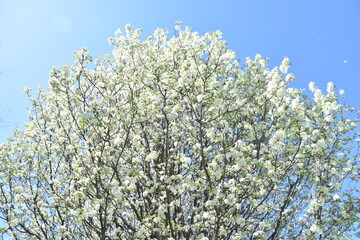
{"x":169,"y":138}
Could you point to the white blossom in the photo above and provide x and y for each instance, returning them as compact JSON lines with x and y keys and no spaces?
{"x":290,"y":77}
{"x":336,"y":197}
{"x":316,"y":229}
{"x":312,"y":86}
{"x":285,"y":64}
{"x":170,"y":138}
{"x":330,"y":87}
{"x":27,"y":90}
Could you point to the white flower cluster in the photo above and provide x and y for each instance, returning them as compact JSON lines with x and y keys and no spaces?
{"x":169,"y":138}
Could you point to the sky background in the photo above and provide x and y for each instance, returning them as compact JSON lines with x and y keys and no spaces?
{"x":321,"y":38}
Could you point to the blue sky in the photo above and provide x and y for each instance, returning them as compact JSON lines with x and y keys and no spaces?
{"x":321,"y":38}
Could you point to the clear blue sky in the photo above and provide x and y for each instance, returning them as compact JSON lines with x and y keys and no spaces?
{"x":322,"y":37}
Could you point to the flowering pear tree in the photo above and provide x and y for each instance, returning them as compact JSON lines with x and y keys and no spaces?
{"x":170,"y":138}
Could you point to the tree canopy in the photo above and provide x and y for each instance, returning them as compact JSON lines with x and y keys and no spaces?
{"x":172,"y":138}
